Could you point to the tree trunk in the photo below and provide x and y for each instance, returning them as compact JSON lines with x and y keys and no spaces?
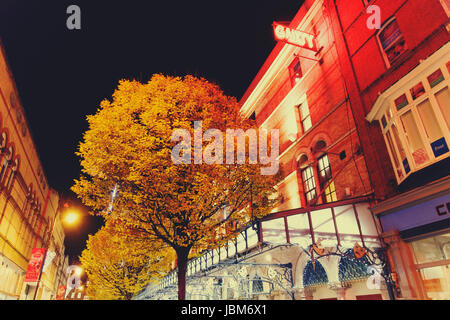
{"x":182,"y":260}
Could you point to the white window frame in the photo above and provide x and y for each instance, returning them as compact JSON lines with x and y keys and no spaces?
{"x":412,"y":106}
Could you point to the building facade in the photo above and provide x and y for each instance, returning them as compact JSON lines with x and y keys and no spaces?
{"x":402,"y":98}
{"x":28,"y":206}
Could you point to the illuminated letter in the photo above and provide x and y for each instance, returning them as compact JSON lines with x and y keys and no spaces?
{"x":280,"y":32}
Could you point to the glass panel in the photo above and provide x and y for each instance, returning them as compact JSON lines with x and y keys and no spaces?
{"x":304,"y":111}
{"x":429,"y":120}
{"x":299,"y":232}
{"x":368,"y":227}
{"x":347,"y":225}
{"x":436,"y":282}
{"x":417,"y":90}
{"x":231,"y":249}
{"x":383,"y":122}
{"x":323,"y":226}
{"x":392,"y":149}
{"x":432,"y":249}
{"x":401,"y":102}
{"x":415,"y":141}
{"x":435,"y":78}
{"x":223,"y":253}
{"x":274,"y":231}
{"x":389,"y":34}
{"x":330,"y":193}
{"x":443,"y":99}
{"x":307,"y":124}
{"x":241,"y":246}
{"x":252,"y":238}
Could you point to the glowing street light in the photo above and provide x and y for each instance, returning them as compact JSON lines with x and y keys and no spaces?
{"x":71,"y":218}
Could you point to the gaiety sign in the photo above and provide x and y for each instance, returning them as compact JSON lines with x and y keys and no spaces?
{"x":295,"y":37}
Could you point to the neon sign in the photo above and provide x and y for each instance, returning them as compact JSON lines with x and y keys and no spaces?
{"x":295,"y":37}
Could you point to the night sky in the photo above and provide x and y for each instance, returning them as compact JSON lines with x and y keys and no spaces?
{"x":62,"y":75}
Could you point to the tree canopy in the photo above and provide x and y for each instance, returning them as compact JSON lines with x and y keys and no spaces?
{"x":129,"y":144}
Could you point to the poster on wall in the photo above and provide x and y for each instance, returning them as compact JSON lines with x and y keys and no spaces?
{"x":35,"y":264}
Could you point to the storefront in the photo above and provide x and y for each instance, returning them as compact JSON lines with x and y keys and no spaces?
{"x":416,"y":226}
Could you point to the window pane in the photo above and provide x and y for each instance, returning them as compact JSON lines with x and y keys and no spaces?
{"x":307,"y":124}
{"x":323,"y":227}
{"x":443,"y":99}
{"x":241,"y":246}
{"x":417,"y":90}
{"x":435,"y":78}
{"x":429,"y":120}
{"x":347,"y":225}
{"x":415,"y":141}
{"x":392,"y":149}
{"x":274,"y":231}
{"x":304,"y":111}
{"x":401,"y":102}
{"x":299,"y":232}
{"x":252,"y":237}
{"x":390,"y":34}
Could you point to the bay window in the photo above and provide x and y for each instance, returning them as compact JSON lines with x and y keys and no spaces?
{"x":414,"y":116}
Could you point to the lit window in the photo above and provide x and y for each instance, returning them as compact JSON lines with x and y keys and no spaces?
{"x":391,"y":41}
{"x":12,"y":174}
{"x":309,"y":185}
{"x":324,"y":171}
{"x":295,"y":71}
{"x":305,"y":118}
{"x":417,"y":122}
{"x":6,"y":162}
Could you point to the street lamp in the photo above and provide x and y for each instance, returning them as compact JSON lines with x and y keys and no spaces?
{"x":70,"y":218}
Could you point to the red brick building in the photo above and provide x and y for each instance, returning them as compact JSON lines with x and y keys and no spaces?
{"x":398,"y":80}
{"x":366,"y":114}
{"x":303,"y":92}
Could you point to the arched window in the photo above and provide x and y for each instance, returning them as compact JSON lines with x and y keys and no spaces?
{"x":325,"y":179}
{"x":392,"y":42}
{"x":12,"y":174}
{"x":5,"y":163}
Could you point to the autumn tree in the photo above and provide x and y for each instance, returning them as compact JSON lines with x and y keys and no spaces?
{"x":118,"y":267}
{"x":171,"y":186}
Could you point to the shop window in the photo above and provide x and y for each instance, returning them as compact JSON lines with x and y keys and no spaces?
{"x":416,"y":124}
{"x":309,"y":184}
{"x":325,"y":177}
{"x":295,"y":71}
{"x":305,"y":118}
{"x":391,"y":41}
{"x":432,"y":255}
